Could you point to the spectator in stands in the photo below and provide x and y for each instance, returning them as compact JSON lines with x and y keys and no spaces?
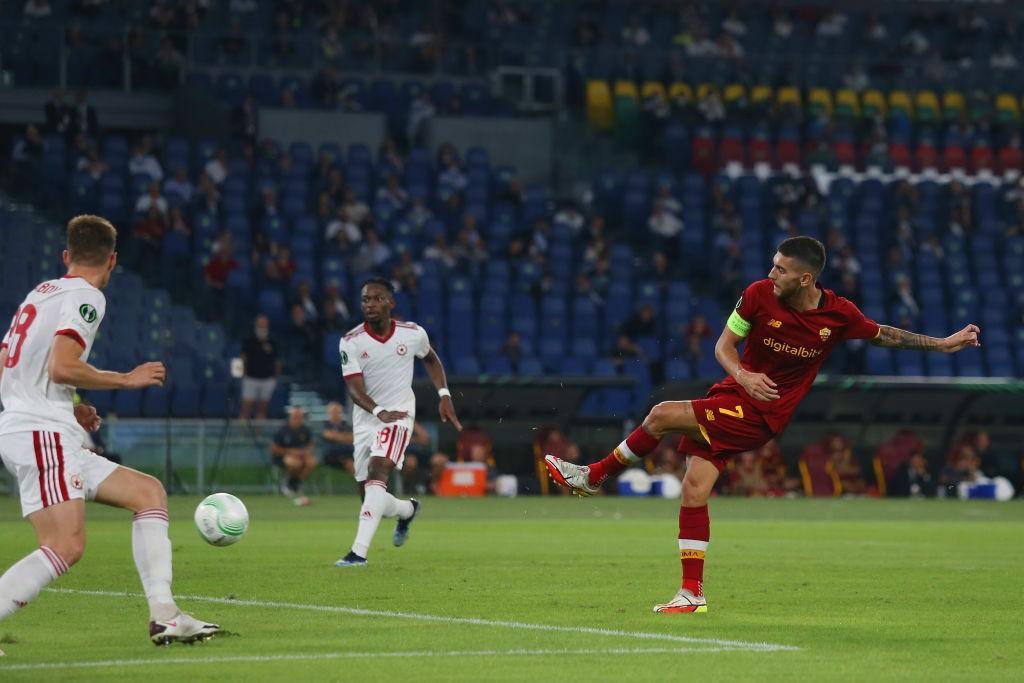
{"x":279,"y":266}
{"x":245,"y":119}
{"x":832,"y":25}
{"x":355,"y":209}
{"x":178,"y":189}
{"x":451,"y":176}
{"x":393,"y":193}
{"x":217,"y":167}
{"x":143,"y":161}
{"x":634,"y":33}
{"x":337,"y":437}
{"x":389,"y":158}
{"x":268,"y":207}
{"x":169,"y":62}
{"x":745,"y":476}
{"x":178,"y":223}
{"x":207,"y":196}
{"x":58,"y":114}
{"x":710,"y":107}
{"x":37,"y":9}
{"x":782,"y":25}
{"x":440,"y":251}
{"x":147,"y":235}
{"x":905,"y":295}
{"x":344,"y":233}
{"x":92,"y":163}
{"x":234,"y":43}
{"x":153,"y":199}
{"x":914,"y":478}
{"x":261,"y":365}
{"x":84,"y":120}
{"x":305,"y":336}
{"x":513,"y":350}
{"x":425,"y":43}
{"x":855,"y":78}
{"x":1003,"y":59}
{"x":331,"y":47}
{"x":372,"y":254}
{"x":553,"y":441}
{"x":416,"y":479}
{"x":665,"y":228}
{"x":292,"y":450}
{"x":640,"y":324}
{"x":846,"y":466}
{"x":694,"y":334}
{"x":570,"y":218}
{"x":420,"y":113}
{"x":733,"y":24}
{"x":406,"y":272}
{"x":334,"y":313}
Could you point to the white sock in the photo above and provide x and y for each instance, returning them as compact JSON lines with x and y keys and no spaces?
{"x":151,"y":549}
{"x":27,"y":577}
{"x":375,"y":507}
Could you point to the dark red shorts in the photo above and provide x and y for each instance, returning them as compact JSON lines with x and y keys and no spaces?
{"x":730,"y":423}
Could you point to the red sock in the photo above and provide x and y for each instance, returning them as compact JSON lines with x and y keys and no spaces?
{"x":694,"y":534}
{"x":635,"y":448}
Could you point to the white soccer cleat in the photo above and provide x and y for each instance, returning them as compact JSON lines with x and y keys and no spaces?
{"x":575,"y":477}
{"x":684,"y":602}
{"x":183,"y":628}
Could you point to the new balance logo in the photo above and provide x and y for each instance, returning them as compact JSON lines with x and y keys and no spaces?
{"x":709,"y":415}
{"x":774,"y":323}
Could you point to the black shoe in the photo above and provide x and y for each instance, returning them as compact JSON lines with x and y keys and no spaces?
{"x":351,"y":560}
{"x":402,"y":528}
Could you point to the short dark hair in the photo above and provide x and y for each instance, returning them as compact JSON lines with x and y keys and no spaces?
{"x":383,"y":282}
{"x":91,"y":240}
{"x":807,"y":250}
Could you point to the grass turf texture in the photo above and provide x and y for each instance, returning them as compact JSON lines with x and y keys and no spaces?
{"x":865,"y":588}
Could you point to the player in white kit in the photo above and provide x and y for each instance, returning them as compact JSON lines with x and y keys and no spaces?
{"x":43,"y":359}
{"x":377,"y":362}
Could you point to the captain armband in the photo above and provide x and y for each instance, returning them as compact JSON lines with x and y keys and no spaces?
{"x":739,"y":326}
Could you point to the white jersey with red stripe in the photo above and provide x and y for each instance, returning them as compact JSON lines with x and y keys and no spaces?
{"x":386,"y":365}
{"x":69,"y":306}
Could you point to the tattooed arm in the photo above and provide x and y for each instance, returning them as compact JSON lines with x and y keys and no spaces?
{"x":895,"y":338}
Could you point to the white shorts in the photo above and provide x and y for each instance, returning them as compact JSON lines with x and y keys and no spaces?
{"x":380,"y":440}
{"x":51,"y":468}
{"x":258,"y":389}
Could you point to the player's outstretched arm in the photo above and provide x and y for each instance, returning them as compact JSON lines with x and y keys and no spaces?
{"x":895,"y":338}
{"x":446,"y":407}
{"x":67,"y":367}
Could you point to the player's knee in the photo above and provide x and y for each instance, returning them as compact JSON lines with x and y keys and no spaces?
{"x":151,"y":494}
{"x":695,"y":493}
{"x":70,"y":548}
{"x":656,"y":423}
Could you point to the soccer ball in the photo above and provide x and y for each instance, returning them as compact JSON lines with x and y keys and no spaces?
{"x":221,"y":519}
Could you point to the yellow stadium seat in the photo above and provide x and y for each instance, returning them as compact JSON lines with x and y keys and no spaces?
{"x":760,"y":93}
{"x":927,"y":105}
{"x":874,"y":103}
{"x":653,"y":89}
{"x":705,"y":89}
{"x":733,"y":92}
{"x":953,"y":101}
{"x":626,"y":89}
{"x":1007,"y":102}
{"x":820,"y":99}
{"x":899,"y":100}
{"x":789,"y":95}
{"x":680,"y":89}
{"x":847,"y":102}
{"x":599,"y":104}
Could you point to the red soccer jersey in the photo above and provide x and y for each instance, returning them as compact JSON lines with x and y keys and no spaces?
{"x":789,"y":346}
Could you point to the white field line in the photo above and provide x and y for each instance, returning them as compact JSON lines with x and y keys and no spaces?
{"x":158,"y":661}
{"x":469,"y":621}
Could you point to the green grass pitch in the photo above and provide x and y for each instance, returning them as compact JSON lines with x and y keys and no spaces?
{"x":857,"y":589}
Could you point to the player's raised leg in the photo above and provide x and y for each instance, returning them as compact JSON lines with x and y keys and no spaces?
{"x":665,"y":418}
{"x":60,"y":530}
{"x":151,"y":549}
{"x":377,"y":504}
{"x":694,"y":535}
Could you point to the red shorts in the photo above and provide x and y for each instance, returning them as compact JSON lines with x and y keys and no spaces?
{"x":730,"y":423}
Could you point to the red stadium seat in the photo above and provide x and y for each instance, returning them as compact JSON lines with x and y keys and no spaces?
{"x":760,"y":151}
{"x":845,"y":153}
{"x":788,"y":152}
{"x":954,"y":156}
{"x":731,"y":150}
{"x":900,"y":154}
{"x":816,"y":470}
{"x":1009,"y":159}
{"x":981,"y":157}
{"x":927,"y":156}
{"x":703,"y":155}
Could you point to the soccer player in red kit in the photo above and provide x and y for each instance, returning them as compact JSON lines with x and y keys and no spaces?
{"x":790,"y":324}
